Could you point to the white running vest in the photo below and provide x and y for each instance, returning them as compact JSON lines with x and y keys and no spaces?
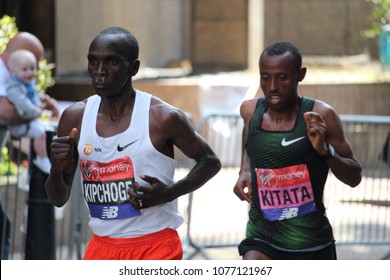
{"x":109,"y":165}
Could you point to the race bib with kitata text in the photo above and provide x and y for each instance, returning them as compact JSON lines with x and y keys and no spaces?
{"x":285,"y":193}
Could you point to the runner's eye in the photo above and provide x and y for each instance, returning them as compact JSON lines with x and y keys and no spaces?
{"x":264,"y":77}
{"x":113,"y":61}
{"x":92,"y":61}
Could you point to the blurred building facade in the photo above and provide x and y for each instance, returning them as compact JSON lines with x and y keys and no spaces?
{"x":210,"y":34}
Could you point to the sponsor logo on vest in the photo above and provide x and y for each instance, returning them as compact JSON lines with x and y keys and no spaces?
{"x":88,"y":149}
{"x":120,"y":149}
{"x":92,"y":169}
{"x":289,"y":142}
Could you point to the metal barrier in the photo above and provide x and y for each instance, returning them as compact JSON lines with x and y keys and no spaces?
{"x":362,"y":215}
{"x":223,"y":132}
{"x":31,"y":229}
{"x":214,"y":216}
{"x":11,"y":196}
{"x":25,"y":203}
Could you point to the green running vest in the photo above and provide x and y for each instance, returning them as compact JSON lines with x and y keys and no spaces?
{"x":288,"y":179}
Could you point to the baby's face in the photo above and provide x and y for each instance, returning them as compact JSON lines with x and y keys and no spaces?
{"x":26,"y":71}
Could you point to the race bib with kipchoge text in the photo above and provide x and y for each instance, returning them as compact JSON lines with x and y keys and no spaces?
{"x":105,"y":188}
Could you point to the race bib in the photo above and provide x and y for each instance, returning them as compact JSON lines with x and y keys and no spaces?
{"x":285,"y":193}
{"x":105,"y":186}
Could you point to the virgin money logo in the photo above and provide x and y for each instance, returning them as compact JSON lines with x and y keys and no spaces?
{"x":267,"y":178}
{"x":90,"y":169}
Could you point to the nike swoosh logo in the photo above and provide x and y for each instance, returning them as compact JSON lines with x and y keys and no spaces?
{"x":286,"y":143}
{"x":120,"y":149}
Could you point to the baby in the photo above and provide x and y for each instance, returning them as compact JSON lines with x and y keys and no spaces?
{"x":21,"y":92}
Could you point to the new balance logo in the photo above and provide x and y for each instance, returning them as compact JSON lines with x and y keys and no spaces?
{"x":289,"y":213}
{"x":286,"y":143}
{"x":110,"y":212}
{"x":120,"y":149}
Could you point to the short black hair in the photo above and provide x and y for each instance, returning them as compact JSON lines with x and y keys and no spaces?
{"x":130,"y":47}
{"x":282,"y":47}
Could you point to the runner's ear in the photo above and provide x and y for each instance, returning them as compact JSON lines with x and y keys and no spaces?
{"x":302,"y":74}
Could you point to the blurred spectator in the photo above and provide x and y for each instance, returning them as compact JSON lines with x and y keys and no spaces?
{"x":8,"y":114}
{"x":21,"y":92}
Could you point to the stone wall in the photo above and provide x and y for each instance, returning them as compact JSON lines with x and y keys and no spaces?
{"x":212,"y":34}
{"x":158,"y":25}
{"x":355,"y":99}
{"x":220,"y":34}
{"x":320,"y":27}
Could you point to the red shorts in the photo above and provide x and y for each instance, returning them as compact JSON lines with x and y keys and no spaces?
{"x":162,"y":245}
